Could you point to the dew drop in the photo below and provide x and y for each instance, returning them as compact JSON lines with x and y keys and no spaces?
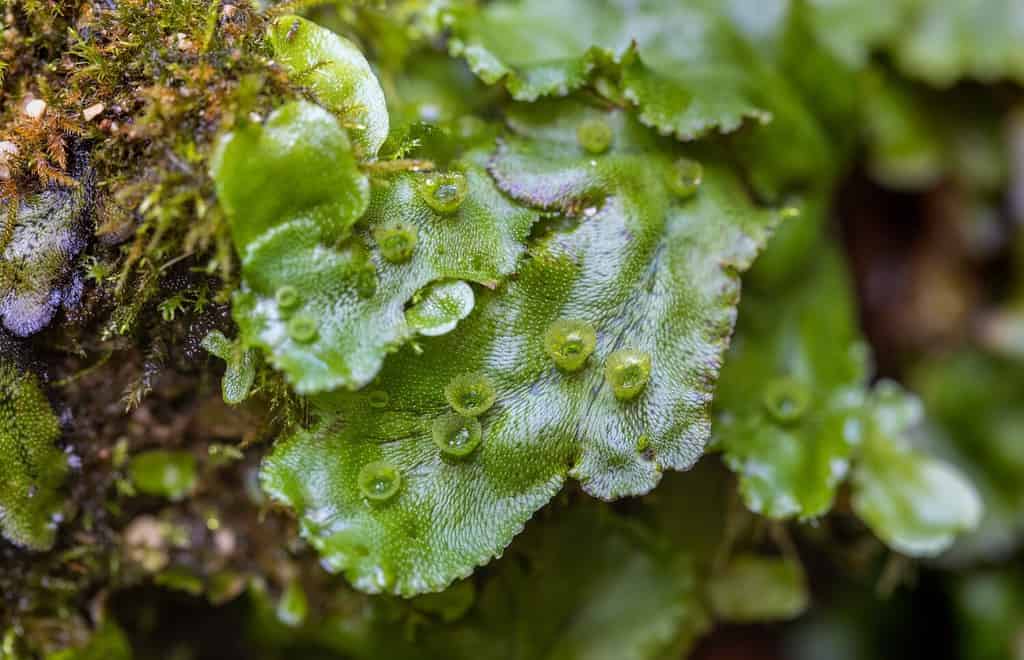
{"x":470,"y":394}
{"x":627,"y":372}
{"x":444,"y":192}
{"x":396,"y":242}
{"x":685,"y":177}
{"x":287,"y":297}
{"x":594,"y":135}
{"x":569,"y":342}
{"x":378,"y":481}
{"x":303,"y":328}
{"x":786,"y":400}
{"x":456,"y":435}
{"x":378,"y":399}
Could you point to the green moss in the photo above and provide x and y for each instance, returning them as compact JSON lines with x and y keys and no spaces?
{"x":37,"y":260}
{"x":33,"y":468}
{"x":240,"y":372}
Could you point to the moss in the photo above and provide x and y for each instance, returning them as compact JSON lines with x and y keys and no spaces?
{"x":33,"y":467}
{"x":148,"y":86}
{"x":36,"y":265}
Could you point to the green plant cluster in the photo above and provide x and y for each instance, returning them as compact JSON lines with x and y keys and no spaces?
{"x":514,"y":329}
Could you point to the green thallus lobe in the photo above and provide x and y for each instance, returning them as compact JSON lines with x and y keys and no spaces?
{"x":379,"y":481}
{"x":569,"y":342}
{"x":444,"y":192}
{"x":470,"y":394}
{"x":627,"y":372}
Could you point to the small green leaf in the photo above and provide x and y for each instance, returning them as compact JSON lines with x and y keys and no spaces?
{"x":757,"y":589}
{"x":338,"y":74}
{"x":789,"y":400}
{"x":297,"y":167}
{"x":440,"y":307}
{"x":916,"y":504}
{"x":170,"y":474}
{"x":241,"y":366}
{"x":33,"y":468}
{"x":649,"y":270}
